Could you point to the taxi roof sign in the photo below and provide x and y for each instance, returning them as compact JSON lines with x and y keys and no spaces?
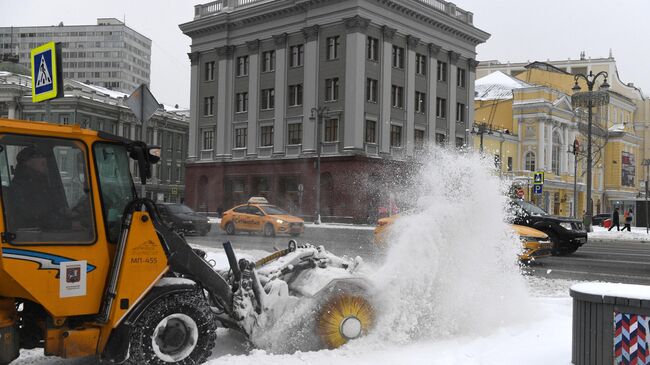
{"x":47,"y":82}
{"x":257,"y":200}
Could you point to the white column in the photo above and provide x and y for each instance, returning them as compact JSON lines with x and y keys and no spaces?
{"x":223,"y":81}
{"x":540,"y":162}
{"x":409,"y":93}
{"x":451,"y":107}
{"x":253,"y":96}
{"x":471,"y":72}
{"x":432,"y":90}
{"x":564,"y":160}
{"x":279,"y":133}
{"x":521,"y":161}
{"x":12,"y":109}
{"x":386,"y":84}
{"x":355,"y":77}
{"x":195,"y":107}
{"x":549,"y":144}
{"x":310,"y":88}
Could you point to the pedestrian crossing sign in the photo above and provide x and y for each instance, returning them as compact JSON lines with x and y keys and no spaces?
{"x":538,"y":177}
{"x":46,"y":72}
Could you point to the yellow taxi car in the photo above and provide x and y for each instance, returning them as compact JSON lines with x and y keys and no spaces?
{"x":535,"y":242}
{"x":260,"y":216}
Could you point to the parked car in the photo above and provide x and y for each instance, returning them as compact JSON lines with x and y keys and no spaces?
{"x":183,"y":219}
{"x":598,"y":219}
{"x":535,"y":243}
{"x":260,"y":216}
{"x":567,"y":234}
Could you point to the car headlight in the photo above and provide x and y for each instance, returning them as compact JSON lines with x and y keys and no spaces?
{"x":279,"y":221}
{"x":566,"y":225}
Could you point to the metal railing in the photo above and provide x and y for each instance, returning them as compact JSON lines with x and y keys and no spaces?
{"x":214,"y":7}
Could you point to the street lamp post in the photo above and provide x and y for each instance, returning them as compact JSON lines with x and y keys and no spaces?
{"x":646,"y":163}
{"x":481,"y":129}
{"x":578,"y":100}
{"x":317,"y":115}
{"x":574,"y":151}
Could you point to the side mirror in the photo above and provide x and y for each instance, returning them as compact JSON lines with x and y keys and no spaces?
{"x":153,"y":154}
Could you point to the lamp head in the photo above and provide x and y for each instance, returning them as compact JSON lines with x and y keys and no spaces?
{"x":576,"y":88}
{"x":604,"y":86}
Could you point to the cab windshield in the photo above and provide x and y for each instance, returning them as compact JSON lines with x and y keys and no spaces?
{"x":115,"y":184}
{"x":273,"y":210}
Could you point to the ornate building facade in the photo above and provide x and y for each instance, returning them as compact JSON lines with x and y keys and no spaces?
{"x":369,"y":81}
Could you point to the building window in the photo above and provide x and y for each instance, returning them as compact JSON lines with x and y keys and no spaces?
{"x":208,"y":106}
{"x":398,"y":57}
{"x":242,"y":102}
{"x":332,"y":89}
{"x":208,"y":138}
{"x":420,"y":102}
{"x":241,"y":135}
{"x":460,"y":112}
{"x":509,"y":163}
{"x":555,"y":153}
{"x":371,"y":90}
{"x":440,"y":139}
{"x":295,"y":95}
{"x":266,"y":134}
{"x":242,"y":66}
{"x":295,"y":133}
{"x":441,"y":108}
{"x":268,"y":61}
{"x":460,"y":78}
{"x":419,"y":140}
{"x":371,"y":131}
{"x":397,"y":96}
{"x":297,"y":55}
{"x":209,"y":71}
{"x":396,"y":136}
{"x":530,"y":161}
{"x":333,"y":44}
{"x":442,"y":71}
{"x":331,"y":130}
{"x":420,"y":64}
{"x":268,"y":99}
{"x":372,"y":47}
{"x":460,"y":142}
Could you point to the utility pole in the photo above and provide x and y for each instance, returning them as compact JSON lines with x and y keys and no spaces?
{"x":481,"y":129}
{"x":646,"y":163}
{"x":317,"y":114}
{"x":576,"y":149}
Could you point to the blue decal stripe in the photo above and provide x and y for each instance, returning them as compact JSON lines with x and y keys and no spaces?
{"x":56,"y":260}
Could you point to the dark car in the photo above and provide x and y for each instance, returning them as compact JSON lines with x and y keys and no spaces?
{"x":183,"y":219}
{"x":598,"y":219}
{"x":567,"y":234}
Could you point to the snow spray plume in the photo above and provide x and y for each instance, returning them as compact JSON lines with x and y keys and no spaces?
{"x":450,"y":266}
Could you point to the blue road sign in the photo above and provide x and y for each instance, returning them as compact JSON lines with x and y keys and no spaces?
{"x":537,"y":189}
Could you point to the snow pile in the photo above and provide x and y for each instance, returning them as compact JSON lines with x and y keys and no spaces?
{"x":451,"y":266}
{"x":637,"y":234}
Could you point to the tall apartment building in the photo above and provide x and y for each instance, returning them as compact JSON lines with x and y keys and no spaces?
{"x":109,"y":54}
{"x":386,"y":77}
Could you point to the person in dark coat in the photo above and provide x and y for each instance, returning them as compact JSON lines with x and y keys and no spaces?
{"x":615,"y":221}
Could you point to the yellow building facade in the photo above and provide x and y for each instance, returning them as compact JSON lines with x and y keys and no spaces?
{"x":528,"y":123}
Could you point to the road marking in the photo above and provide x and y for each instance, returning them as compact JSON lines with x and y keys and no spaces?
{"x":644,"y":278}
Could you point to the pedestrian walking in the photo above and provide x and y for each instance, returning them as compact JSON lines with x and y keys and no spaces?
{"x":615,"y":221}
{"x":629,"y":216}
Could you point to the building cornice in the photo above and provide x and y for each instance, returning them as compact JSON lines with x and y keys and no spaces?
{"x":356,"y":24}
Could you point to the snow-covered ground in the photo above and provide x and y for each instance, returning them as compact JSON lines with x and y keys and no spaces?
{"x":638,"y":234}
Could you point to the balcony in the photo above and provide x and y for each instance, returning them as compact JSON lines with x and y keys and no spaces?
{"x":215,"y":7}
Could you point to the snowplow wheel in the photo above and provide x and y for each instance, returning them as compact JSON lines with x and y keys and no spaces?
{"x":343,"y":318}
{"x":177,"y":329}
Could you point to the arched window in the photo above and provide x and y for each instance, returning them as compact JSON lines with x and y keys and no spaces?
{"x":555,"y":157}
{"x":530,"y":161}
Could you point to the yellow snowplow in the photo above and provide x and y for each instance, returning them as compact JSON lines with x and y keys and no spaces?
{"x":89,"y":268}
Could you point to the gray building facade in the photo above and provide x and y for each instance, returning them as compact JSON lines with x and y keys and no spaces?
{"x":94,"y":107}
{"x":108,"y":54}
{"x":390,"y":76}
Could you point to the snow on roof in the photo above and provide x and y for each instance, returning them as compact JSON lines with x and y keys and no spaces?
{"x":497,"y":86}
{"x":105,"y":91}
{"x":620,"y":127}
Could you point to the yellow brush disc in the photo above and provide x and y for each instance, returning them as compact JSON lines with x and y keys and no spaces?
{"x":341,"y":314}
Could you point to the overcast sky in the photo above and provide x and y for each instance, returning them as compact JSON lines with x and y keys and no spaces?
{"x":522,"y":30}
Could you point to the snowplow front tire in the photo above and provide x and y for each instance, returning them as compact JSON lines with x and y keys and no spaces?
{"x":179,"y":328}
